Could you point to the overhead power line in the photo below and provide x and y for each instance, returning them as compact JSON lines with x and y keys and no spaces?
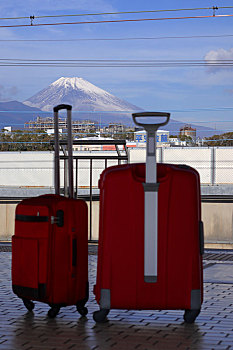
{"x":114,"y":21}
{"x":101,"y":63}
{"x":24,"y":133}
{"x":184,"y":110}
{"x":120,"y":39}
{"x":214,"y":8}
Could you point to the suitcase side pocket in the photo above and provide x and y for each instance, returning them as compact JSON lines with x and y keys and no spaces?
{"x":26,"y":272}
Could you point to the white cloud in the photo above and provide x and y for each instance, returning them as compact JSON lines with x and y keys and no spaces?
{"x":216,"y":56}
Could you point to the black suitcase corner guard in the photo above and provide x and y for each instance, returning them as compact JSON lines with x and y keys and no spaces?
{"x":34,"y":293}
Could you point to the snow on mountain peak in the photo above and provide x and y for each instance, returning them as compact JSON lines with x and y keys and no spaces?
{"x":81,"y":94}
{"x":76,"y":83}
{"x":67,"y":82}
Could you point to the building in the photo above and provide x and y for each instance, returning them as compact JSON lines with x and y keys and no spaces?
{"x":91,"y":147}
{"x":7,"y":129}
{"x":187,"y":130}
{"x":51,"y":131}
{"x":79,"y":126}
{"x":43,"y":123}
{"x":162,"y":138}
{"x":175,"y":141}
{"x":129,"y":144}
{"x":118,"y":130}
{"x":115,"y":128}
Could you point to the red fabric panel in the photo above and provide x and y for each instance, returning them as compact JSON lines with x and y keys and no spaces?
{"x":25,"y":262}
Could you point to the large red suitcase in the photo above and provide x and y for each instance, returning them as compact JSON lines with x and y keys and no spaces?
{"x":50,"y":248}
{"x":121,"y":282}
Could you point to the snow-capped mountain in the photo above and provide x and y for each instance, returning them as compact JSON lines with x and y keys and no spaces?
{"x":81,"y":94}
{"x":85,"y":99}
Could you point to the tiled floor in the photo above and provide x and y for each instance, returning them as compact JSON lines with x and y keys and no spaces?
{"x":128,"y":330}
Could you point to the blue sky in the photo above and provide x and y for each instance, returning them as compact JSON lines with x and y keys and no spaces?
{"x":179,"y":90}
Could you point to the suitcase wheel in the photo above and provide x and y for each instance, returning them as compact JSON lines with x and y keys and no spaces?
{"x":28,"y":304}
{"x":191,"y":315}
{"x":53,"y":311}
{"x":100,"y":316}
{"x":82,"y":310}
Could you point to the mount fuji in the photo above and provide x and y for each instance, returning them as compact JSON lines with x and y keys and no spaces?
{"x":85,"y":98}
{"x":88,"y":102}
{"x":94,"y":103}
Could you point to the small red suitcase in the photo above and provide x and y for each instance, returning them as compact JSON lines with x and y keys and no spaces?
{"x":50,"y":244}
{"x":161,"y":271}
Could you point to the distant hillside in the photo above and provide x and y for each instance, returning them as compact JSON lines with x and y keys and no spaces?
{"x":15,"y":105}
{"x":15,"y":114}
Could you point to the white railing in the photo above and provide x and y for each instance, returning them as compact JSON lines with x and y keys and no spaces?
{"x":35,"y":169}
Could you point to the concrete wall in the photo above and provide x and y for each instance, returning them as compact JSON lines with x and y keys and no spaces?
{"x":218,"y":224}
{"x":217,"y":218}
{"x":7,"y":220}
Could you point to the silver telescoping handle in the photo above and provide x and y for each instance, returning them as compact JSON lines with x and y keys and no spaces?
{"x":151,"y":196}
{"x":70,"y":149}
{"x":151,"y":176}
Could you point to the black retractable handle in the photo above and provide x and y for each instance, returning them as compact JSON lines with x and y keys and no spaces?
{"x":70,"y":148}
{"x":62,"y":106}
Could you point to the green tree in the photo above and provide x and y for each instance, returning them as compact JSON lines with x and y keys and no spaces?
{"x":185,"y":138}
{"x":25,"y":140}
{"x":127,"y":135}
{"x":225,"y":139}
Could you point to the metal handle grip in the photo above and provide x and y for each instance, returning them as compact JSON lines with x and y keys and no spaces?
{"x":151,"y":114}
